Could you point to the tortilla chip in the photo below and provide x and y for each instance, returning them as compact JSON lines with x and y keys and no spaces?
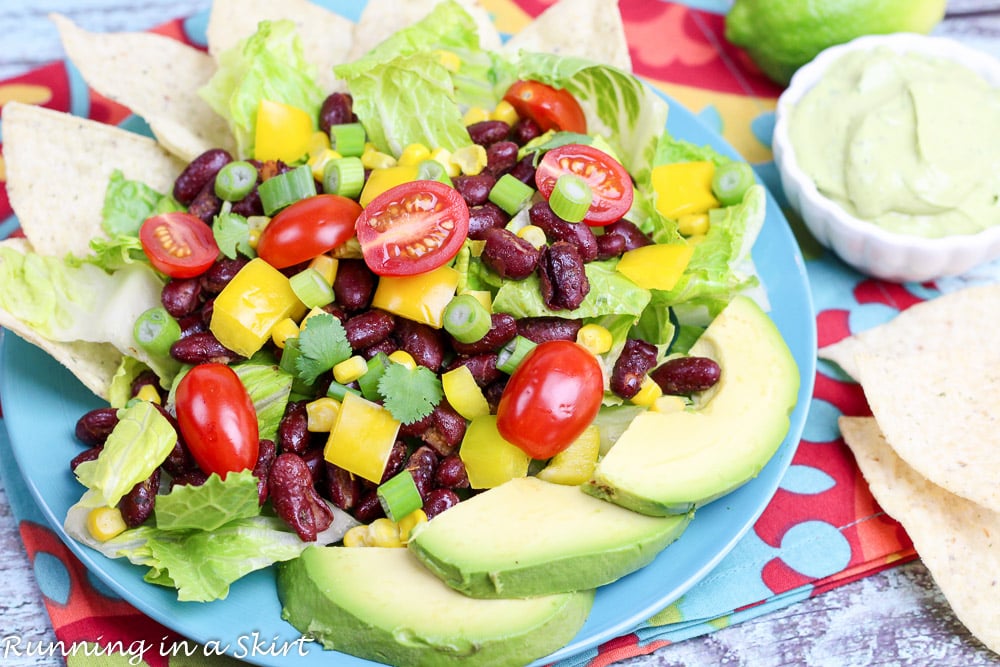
{"x":326,"y":36}
{"x":94,"y":364}
{"x":941,"y":414}
{"x":157,"y":78}
{"x":589,"y":29}
{"x":958,"y":319}
{"x":956,"y":539}
{"x":381,"y":18}
{"x":58,"y":167}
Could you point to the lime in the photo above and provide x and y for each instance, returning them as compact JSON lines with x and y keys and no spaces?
{"x":783,"y":35}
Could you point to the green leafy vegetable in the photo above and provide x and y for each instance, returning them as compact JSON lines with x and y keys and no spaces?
{"x":120,"y":389}
{"x":410,"y":394}
{"x":269,"y":388}
{"x":232,"y":235}
{"x":322,"y":345}
{"x":127,"y":204}
{"x":210,"y":505}
{"x":139,"y":443}
{"x":268,"y":65}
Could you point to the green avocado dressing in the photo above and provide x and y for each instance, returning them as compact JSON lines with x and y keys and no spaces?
{"x":908,"y":142}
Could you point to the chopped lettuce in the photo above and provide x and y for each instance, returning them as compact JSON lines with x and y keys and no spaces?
{"x":210,"y":505}
{"x":126,"y":204}
{"x":611,"y":293}
{"x":268,"y":65}
{"x":120,"y":389}
{"x":137,"y":446}
{"x":67,"y":301}
{"x":269,"y":388}
{"x":114,"y":253}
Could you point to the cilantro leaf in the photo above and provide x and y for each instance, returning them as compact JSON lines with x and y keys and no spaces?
{"x":322,"y":344}
{"x":232,"y":234}
{"x":410,"y":394}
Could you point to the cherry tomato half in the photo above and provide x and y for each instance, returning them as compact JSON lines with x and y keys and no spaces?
{"x":217,"y":420}
{"x":413,"y":228}
{"x":551,"y":398}
{"x":552,"y":108}
{"x":608,"y":179}
{"x":307,"y":228}
{"x":178,"y":244}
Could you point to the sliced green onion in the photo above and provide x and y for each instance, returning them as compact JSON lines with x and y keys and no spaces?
{"x":513,"y":353}
{"x":466,"y":319}
{"x":731,"y":181}
{"x":235,"y":180}
{"x":338,"y":391}
{"x":369,"y":381}
{"x":279,"y":191}
{"x":348,"y":139}
{"x":571,"y":197}
{"x":155,"y":331}
{"x":344,"y":176}
{"x":399,"y":495}
{"x":311,"y":288}
{"x":511,"y":194}
{"x":432,"y":170}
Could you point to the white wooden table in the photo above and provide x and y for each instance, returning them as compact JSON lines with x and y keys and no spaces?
{"x":896,"y":617}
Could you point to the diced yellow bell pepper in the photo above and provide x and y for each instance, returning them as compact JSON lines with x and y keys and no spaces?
{"x":575,"y":464}
{"x":683,"y":188}
{"x":283,"y":330}
{"x":490,"y":460}
{"x":421,"y":297}
{"x":657,"y":266}
{"x":148,"y":393}
{"x":253,"y":302}
{"x":381,"y":180}
{"x":413,"y":155}
{"x":483,"y":296}
{"x":362,"y":437}
{"x":283,"y":132}
{"x":463,"y":393}
{"x":327,"y":267}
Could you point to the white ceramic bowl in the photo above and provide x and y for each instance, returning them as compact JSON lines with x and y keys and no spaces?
{"x":864,"y":245}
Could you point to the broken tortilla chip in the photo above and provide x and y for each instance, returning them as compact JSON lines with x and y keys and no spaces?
{"x":958,"y":540}
{"x":954,"y":320}
{"x":58,"y":168}
{"x":380,"y":19}
{"x":326,"y":36}
{"x":157,"y":78}
{"x":597,"y":33}
{"x":940,"y":412}
{"x":94,"y":364}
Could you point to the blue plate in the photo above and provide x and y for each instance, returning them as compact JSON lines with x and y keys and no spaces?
{"x":42,"y":402}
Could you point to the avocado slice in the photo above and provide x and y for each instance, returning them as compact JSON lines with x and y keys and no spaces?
{"x":667,"y":463}
{"x":381,"y":604}
{"x":530,"y":537}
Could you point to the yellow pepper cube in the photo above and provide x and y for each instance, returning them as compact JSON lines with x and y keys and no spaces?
{"x":683,"y":188}
{"x":657,"y":266}
{"x":413,"y":155}
{"x":381,"y":180}
{"x":249,"y":307}
{"x":421,"y":297}
{"x":575,"y":464}
{"x":463,"y":393}
{"x":283,"y":132}
{"x":362,"y":438}
{"x":490,"y":460}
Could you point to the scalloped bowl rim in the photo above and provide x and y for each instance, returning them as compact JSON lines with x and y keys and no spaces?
{"x":978,"y":248}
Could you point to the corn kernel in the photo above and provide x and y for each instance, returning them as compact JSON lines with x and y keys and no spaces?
{"x":350,"y":370}
{"x":327,"y":267}
{"x":443,"y":157}
{"x":668,"y":403}
{"x":470,"y":159}
{"x":103,"y":523}
{"x":475,"y":115}
{"x":506,"y":112}
{"x":319,"y":141}
{"x":356,"y":536}
{"x":649,"y":391}
{"x":449,"y":59}
{"x":148,"y":393}
{"x":384,"y":533}
{"x":409,"y":522}
{"x":403,"y":357}
{"x":533,"y":234}
{"x":595,"y":338}
{"x":321,"y":414}
{"x":413,"y":155}
{"x":372,"y":158}
{"x":693,"y":224}
{"x":253,"y":238}
{"x":283,"y":330}
{"x":319,"y":161}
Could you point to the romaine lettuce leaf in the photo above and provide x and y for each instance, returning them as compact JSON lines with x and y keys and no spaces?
{"x":210,"y":505}
{"x":137,"y":446}
{"x":268,"y":65}
{"x":269,"y":388}
{"x":126,"y":204}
